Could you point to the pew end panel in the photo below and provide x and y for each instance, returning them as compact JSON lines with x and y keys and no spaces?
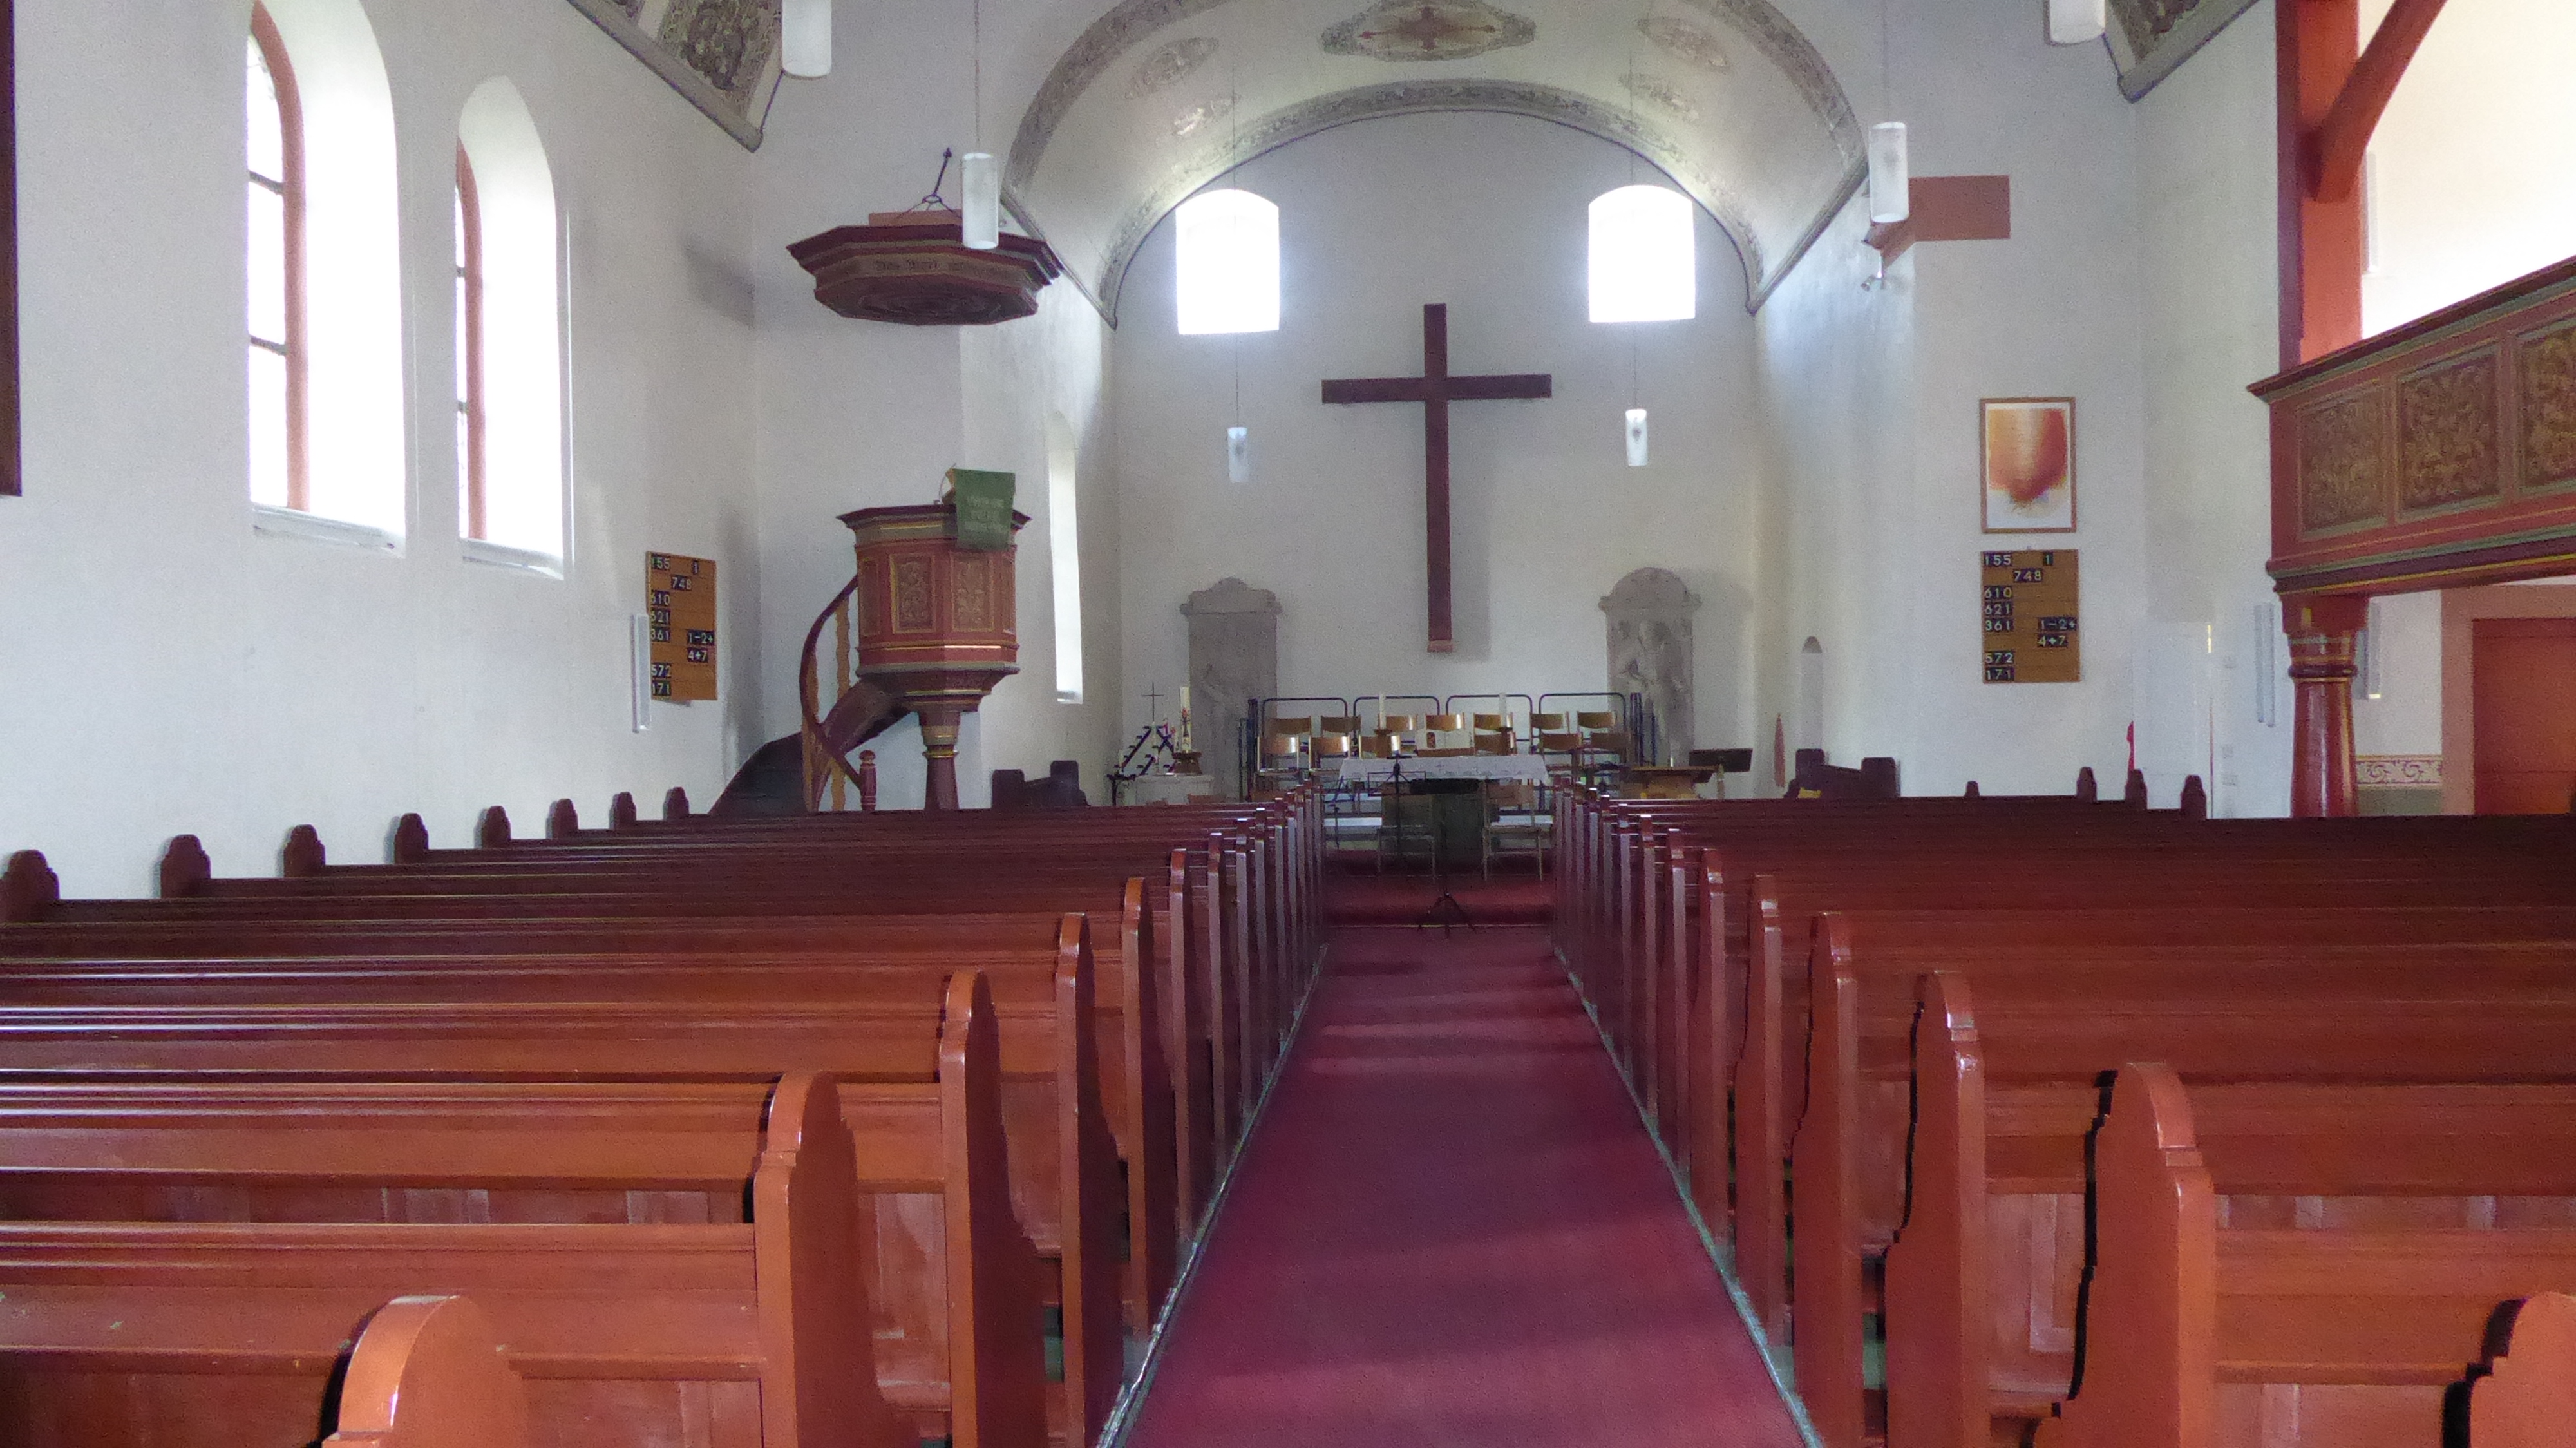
{"x":428,"y":1372}
{"x":2526,"y":1398}
{"x":2144,"y":1373}
{"x":997,"y":1358}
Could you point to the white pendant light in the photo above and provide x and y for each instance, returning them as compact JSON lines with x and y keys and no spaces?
{"x":2076,"y":22}
{"x":1890,"y":189}
{"x":983,"y":201}
{"x":1238,"y":455}
{"x":805,"y":39}
{"x":1636,"y":437}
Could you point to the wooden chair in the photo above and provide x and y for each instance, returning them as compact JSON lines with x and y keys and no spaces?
{"x":1406,"y":728}
{"x":1380,"y":745}
{"x":1283,"y":761}
{"x":1547,"y":724}
{"x":1518,"y":823}
{"x":1294,"y":728}
{"x":1494,"y":724}
{"x":1444,"y":731}
{"x":1493,"y":742}
{"x":1339,"y":724}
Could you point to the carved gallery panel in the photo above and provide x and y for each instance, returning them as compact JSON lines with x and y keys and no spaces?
{"x":2448,"y":443}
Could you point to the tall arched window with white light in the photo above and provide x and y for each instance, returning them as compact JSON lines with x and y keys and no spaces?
{"x":275,"y":265}
{"x":1645,"y":260}
{"x":509,"y":336}
{"x":1064,"y":554}
{"x":328,"y":455}
{"x":470,"y":458}
{"x":1227,"y":245}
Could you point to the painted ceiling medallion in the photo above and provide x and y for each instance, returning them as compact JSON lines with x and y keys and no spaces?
{"x":1662,"y":94}
{"x":1399,"y":30}
{"x":1688,"y":41}
{"x":1199,"y":117}
{"x":1168,"y":65}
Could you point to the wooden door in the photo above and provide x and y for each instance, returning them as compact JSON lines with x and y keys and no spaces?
{"x":2525,"y":682}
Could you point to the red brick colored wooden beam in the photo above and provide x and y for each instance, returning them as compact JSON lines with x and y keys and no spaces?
{"x":2336,"y":147}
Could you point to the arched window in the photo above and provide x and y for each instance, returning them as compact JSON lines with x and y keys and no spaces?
{"x":275,"y":120}
{"x":1645,"y":259}
{"x":1227,"y":245}
{"x":509,"y":335}
{"x":327,"y":453}
{"x":1064,"y":555}
{"x":470,"y":456}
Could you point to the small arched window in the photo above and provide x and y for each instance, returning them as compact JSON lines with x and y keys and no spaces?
{"x":1227,"y":263}
{"x":1645,"y":256}
{"x":275,"y":119}
{"x":509,"y":335}
{"x":1064,"y":556}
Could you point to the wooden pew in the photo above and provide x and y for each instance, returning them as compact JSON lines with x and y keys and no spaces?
{"x":2199,"y":1333}
{"x":1989,"y":1259}
{"x":2462,"y":1013}
{"x":1137,"y":1081}
{"x":1766,"y":1040}
{"x":229,"y":1332}
{"x":959,"y":1332}
{"x":1063,"y":1184}
{"x":1155,"y":951}
{"x":428,"y":1373}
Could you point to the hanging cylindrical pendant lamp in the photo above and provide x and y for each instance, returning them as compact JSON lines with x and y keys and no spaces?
{"x":805,"y":38}
{"x":2076,"y":22}
{"x":1238,"y":455}
{"x":1636,"y":437}
{"x":983,"y":200}
{"x":1890,"y":188}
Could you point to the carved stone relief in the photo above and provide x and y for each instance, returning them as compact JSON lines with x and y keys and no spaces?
{"x":1234,"y":659}
{"x":1651,"y":654}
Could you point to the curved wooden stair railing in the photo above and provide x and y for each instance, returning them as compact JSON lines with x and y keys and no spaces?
{"x":813,"y":769}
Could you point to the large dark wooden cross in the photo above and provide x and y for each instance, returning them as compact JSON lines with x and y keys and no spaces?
{"x":1435,"y":389}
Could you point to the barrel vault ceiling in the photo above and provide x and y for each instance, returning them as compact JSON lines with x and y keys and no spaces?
{"x":1156,"y":98}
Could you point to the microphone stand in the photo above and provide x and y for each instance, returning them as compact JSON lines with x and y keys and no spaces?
{"x":1445,"y":910}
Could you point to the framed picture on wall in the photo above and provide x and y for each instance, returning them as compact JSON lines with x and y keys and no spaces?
{"x":2028,"y":448}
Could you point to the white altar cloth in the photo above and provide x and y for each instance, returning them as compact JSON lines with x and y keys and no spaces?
{"x":1527,"y":768}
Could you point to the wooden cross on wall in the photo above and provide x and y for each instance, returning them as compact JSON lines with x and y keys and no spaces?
{"x":1435,"y":389}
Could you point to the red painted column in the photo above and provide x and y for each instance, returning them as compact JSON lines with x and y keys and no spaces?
{"x":2324,"y":630}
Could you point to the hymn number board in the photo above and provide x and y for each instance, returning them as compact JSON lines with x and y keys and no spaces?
{"x":2032,"y":634}
{"x":681,"y":607}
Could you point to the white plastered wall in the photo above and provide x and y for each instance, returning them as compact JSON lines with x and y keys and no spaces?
{"x":1488,"y":214}
{"x":164,"y":669}
{"x":1871,"y":535}
{"x":869,"y":414}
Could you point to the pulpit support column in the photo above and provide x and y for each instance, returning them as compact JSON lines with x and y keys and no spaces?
{"x":2324,"y":635}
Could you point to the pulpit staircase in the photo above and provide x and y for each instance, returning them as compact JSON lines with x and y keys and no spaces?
{"x":818,"y":767}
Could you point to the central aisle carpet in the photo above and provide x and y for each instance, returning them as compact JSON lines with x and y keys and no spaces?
{"x":1451,"y":1229}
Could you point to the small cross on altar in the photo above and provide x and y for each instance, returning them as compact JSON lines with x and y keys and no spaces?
{"x":1435,"y":389}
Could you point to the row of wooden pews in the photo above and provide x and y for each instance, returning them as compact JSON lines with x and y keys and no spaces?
{"x":860,"y":1129}
{"x":2062,"y":1119}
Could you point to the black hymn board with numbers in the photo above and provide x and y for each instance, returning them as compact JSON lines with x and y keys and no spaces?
{"x":681,"y":609}
{"x":2032,"y":634}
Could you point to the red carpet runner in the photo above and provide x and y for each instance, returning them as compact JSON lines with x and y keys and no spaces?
{"x":1450,"y":1229}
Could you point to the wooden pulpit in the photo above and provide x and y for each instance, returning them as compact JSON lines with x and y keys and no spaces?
{"x":938,"y":623}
